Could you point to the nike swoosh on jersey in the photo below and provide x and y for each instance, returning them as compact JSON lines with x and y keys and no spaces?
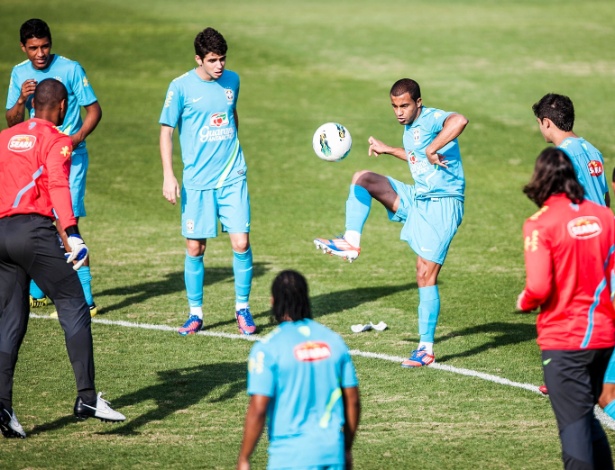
{"x":194,"y":100}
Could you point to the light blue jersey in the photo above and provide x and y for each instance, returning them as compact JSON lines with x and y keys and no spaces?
{"x":589,"y":167}
{"x":302,"y":367}
{"x":204,"y":113}
{"x":67,"y":71}
{"x":433,"y":180}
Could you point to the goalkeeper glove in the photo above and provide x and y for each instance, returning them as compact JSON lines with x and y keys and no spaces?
{"x":78,"y":251}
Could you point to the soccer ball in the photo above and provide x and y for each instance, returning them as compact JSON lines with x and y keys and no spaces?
{"x":332,"y":142}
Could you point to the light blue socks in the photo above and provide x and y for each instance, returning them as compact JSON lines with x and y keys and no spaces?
{"x":242,"y":270}
{"x":35,"y":291}
{"x":194,"y":276}
{"x":429,"y":310}
{"x":85,"y":277}
{"x":358,"y":205}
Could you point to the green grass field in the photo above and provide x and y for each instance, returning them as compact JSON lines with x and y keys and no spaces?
{"x":302,"y":64}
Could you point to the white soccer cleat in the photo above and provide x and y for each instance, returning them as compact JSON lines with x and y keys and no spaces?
{"x":100,"y":410}
{"x":338,"y":247}
{"x":9,"y":425}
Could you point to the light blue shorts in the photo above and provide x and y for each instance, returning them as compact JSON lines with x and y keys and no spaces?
{"x":429,"y":224}
{"x":78,"y":173}
{"x":202,"y":209}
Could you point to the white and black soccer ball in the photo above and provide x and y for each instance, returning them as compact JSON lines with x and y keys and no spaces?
{"x":332,"y":142}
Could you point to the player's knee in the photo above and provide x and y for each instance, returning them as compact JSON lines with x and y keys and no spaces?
{"x":426,"y":275}
{"x":362,"y":178}
{"x":240,"y":246}
{"x":195,"y":248}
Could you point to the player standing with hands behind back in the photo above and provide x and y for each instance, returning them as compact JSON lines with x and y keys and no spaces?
{"x":202,"y":104}
{"x":35,"y":38}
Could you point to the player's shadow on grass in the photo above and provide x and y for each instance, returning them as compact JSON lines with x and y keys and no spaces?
{"x":177,"y":390}
{"x":333,"y":302}
{"x":499,"y":334}
{"x":172,"y":282}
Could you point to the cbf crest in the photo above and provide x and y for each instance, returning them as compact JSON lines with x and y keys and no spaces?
{"x":416,"y":134}
{"x":229,"y":95}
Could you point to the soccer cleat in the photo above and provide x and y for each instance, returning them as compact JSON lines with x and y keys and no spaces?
{"x":420,"y":357}
{"x":9,"y":425}
{"x":543,"y":389}
{"x":245,"y":322}
{"x":93,"y":312}
{"x":192,"y":326}
{"x":338,"y":247}
{"x":100,"y":410}
{"x":35,"y":303}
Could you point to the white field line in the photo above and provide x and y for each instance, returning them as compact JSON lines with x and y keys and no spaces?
{"x":601,"y":415}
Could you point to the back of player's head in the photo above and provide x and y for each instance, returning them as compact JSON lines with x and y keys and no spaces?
{"x":34,"y":28}
{"x":49,"y":93}
{"x":558,"y":108}
{"x":209,"y":40}
{"x":553,"y":174}
{"x":290,"y":296}
{"x":406,"y":85}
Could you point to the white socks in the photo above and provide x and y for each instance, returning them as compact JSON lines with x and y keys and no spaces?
{"x":198,"y":311}
{"x":353,"y":237}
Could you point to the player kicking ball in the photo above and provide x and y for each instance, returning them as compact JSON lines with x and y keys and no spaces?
{"x":431,"y":210}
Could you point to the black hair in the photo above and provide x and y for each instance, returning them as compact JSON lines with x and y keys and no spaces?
{"x":553,"y":174}
{"x":290,"y":297}
{"x":406,"y":85}
{"x":209,"y":40}
{"x":558,"y":108}
{"x":34,"y":28}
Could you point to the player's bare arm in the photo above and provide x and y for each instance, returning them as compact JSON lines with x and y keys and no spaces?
{"x":352,"y":413}
{"x":254,"y":425}
{"x":453,"y":127}
{"x":93,"y":115}
{"x":170,"y":187}
{"x":377,"y":148}
{"x":17,"y":113}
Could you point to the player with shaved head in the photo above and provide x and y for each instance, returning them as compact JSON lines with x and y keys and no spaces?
{"x":34,"y":188}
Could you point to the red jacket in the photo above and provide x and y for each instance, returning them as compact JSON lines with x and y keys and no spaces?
{"x":569,"y":268}
{"x":34,"y":169}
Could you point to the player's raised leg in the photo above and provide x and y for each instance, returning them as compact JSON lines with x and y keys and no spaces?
{"x":364,"y":187}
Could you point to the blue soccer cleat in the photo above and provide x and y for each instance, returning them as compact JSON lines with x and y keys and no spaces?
{"x":419,"y":358}
{"x":338,"y":247}
{"x":245,"y":322}
{"x":193,"y":325}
